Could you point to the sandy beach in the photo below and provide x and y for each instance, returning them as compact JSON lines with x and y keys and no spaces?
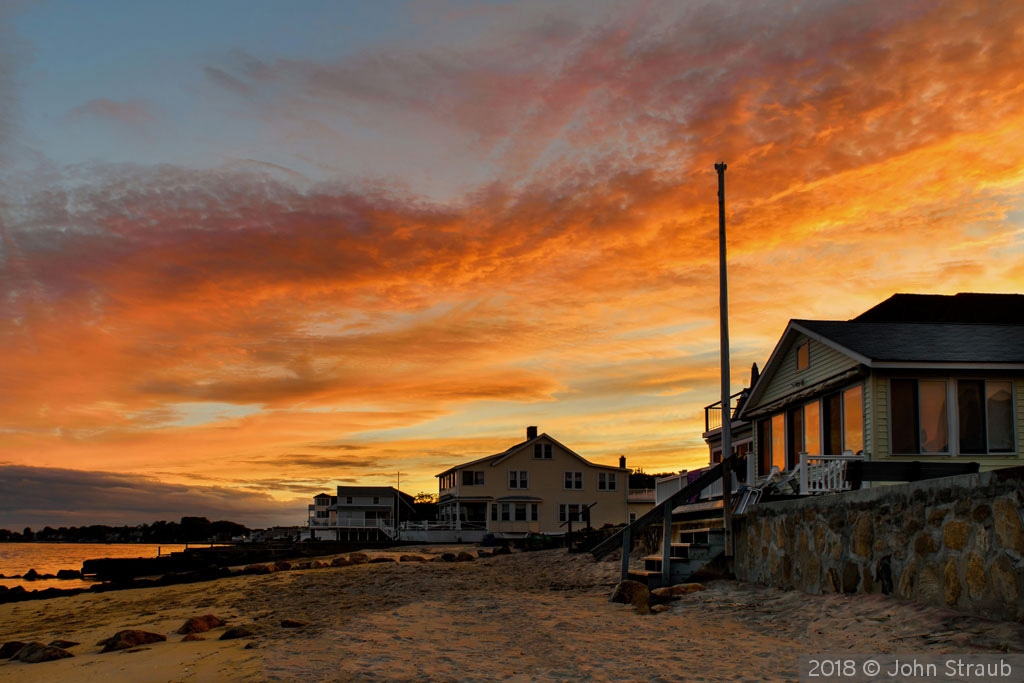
{"x":518,"y":617}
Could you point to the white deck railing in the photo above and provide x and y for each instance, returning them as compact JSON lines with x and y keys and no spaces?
{"x":677,"y":482}
{"x":825,"y":473}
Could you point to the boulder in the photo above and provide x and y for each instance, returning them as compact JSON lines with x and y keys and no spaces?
{"x":382,"y":559}
{"x":282,"y":566}
{"x":10,"y":648}
{"x":67,"y":574}
{"x":319,"y":564}
{"x":463,"y":556}
{"x":292,"y":623}
{"x":240,"y":631}
{"x":31,"y":575}
{"x":341,"y":562}
{"x":672,"y":592}
{"x":358,"y":558}
{"x":33,"y":653}
{"x":192,"y":637}
{"x":130,"y":638}
{"x":412,"y":558}
{"x":634,"y":593}
{"x":200,"y":624}
{"x":258,"y":569}
{"x":63,"y":644}
{"x":448,"y":557}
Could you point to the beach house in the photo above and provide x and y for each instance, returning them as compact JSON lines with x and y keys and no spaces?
{"x":538,"y":485}
{"x":358,"y":513}
{"x":917,"y":387}
{"x":917,"y":378}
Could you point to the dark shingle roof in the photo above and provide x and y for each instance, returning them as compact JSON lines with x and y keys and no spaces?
{"x":966,"y":307}
{"x":924,"y":342}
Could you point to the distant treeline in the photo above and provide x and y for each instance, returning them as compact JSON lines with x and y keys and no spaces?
{"x":188,"y":530}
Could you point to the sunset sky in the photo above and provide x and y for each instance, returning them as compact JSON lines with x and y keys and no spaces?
{"x":251,"y":250}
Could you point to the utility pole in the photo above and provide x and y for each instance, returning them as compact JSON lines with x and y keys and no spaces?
{"x":723,"y":308}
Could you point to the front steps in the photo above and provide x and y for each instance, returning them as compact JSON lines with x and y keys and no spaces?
{"x":696,"y":549}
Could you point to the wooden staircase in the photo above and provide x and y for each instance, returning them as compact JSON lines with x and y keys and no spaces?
{"x":681,"y":562}
{"x":694,"y":551}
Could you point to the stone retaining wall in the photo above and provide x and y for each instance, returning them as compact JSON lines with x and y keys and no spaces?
{"x":956,"y":542}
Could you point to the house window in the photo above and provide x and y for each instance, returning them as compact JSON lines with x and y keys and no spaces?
{"x":574,"y":480}
{"x":812,"y":429}
{"x":803,"y":356}
{"x":919,"y":413}
{"x":632,"y":517}
{"x":521,"y":512}
{"x":542,"y":451}
{"x":853,"y":420}
{"x":376,"y":500}
{"x":779,"y":441}
{"x":494,"y":512}
{"x":923,"y":420}
{"x":518,"y":479}
{"x":795,"y":436}
{"x":472,"y":478}
{"x":606,"y":481}
{"x":506,"y":512}
{"x":348,"y":500}
{"x":832,"y":424}
{"x":570,"y":512}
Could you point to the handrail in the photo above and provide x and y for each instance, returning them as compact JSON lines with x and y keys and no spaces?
{"x":659,"y":511}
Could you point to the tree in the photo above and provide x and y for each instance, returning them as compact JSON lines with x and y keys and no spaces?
{"x":425,"y":505}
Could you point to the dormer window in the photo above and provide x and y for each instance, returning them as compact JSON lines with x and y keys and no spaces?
{"x":803,"y":356}
{"x":542,"y":451}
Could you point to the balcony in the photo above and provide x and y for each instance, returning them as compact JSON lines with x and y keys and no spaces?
{"x":713,"y":412}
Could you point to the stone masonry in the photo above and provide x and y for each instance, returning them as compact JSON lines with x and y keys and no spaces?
{"x":956,"y":542}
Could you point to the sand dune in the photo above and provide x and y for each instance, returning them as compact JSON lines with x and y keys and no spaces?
{"x":519,"y":617}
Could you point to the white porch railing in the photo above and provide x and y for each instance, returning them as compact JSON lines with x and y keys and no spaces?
{"x":443,"y":525}
{"x":354,"y":523}
{"x":669,"y":485}
{"x":825,"y":473}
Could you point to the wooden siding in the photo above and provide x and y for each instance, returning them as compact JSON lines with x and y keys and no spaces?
{"x":825,"y":362}
{"x":869,"y":422}
{"x":879,"y":407}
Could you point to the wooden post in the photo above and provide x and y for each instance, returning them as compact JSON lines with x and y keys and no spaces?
{"x":627,"y":546}
{"x":666,"y":546}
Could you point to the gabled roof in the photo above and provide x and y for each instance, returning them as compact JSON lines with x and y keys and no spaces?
{"x":873,"y":343}
{"x":903,"y":345}
{"x":366,"y":491}
{"x":498,"y":458}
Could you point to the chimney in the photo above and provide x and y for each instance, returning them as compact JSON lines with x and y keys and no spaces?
{"x":531,"y":433}
{"x":622,"y":462}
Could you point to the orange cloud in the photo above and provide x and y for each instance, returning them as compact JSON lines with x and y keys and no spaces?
{"x":871,"y":150}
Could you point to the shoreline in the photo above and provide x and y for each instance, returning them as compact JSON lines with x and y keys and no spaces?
{"x":521,"y":616}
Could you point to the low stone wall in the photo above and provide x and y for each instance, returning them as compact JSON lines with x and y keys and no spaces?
{"x":956,"y":542}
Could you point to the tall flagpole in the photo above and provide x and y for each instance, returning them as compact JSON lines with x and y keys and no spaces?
{"x":723,"y":308}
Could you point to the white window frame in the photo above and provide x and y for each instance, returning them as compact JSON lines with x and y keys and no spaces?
{"x":565,"y":509}
{"x":576,"y":480}
{"x":607,"y":481}
{"x":953,"y":416}
{"x":518,"y":479}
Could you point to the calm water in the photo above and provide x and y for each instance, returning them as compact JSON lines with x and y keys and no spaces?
{"x":49,"y":558}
